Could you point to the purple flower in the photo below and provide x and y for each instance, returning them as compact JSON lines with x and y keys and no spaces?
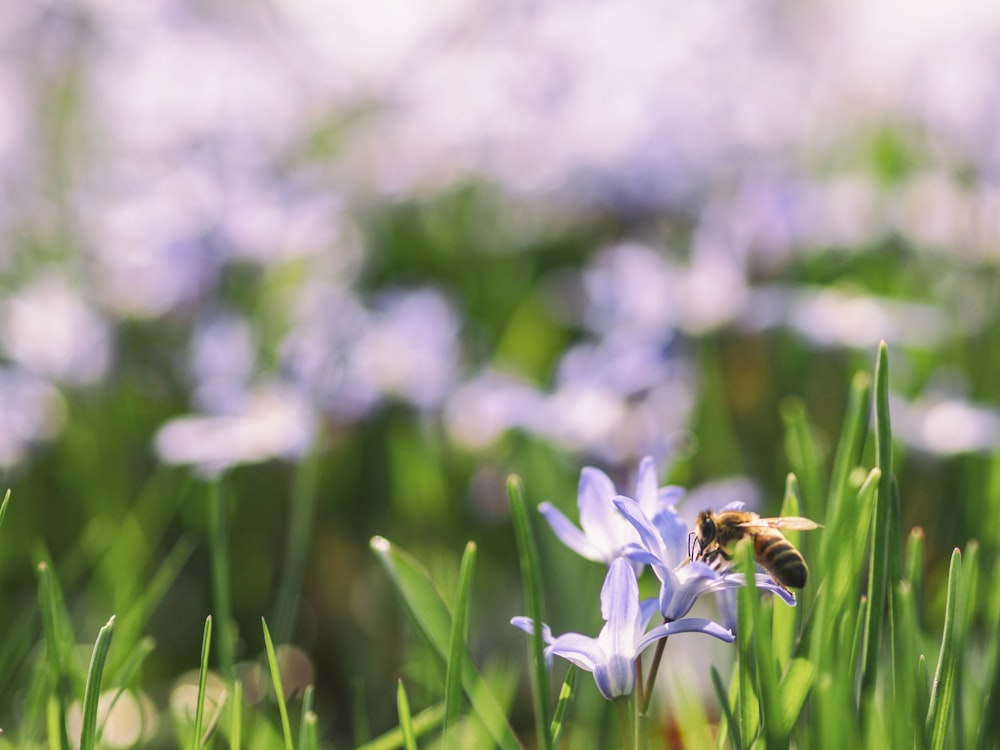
{"x":604,"y":533}
{"x":611,"y":656}
{"x":681,"y":581}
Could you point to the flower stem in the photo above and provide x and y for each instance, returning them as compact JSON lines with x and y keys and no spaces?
{"x":654,"y":667}
{"x":622,"y":705}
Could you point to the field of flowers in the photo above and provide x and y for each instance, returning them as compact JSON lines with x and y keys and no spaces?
{"x":298,"y":298}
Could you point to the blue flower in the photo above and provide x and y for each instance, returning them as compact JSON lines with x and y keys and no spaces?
{"x":663,"y":547}
{"x":603,"y":531}
{"x":611,"y":656}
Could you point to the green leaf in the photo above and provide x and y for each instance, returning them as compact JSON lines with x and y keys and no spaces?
{"x":405,"y":720}
{"x":92,"y":696}
{"x":430,"y":615}
{"x":785,"y":619}
{"x":795,"y":687}
{"x":943,"y":690}
{"x":878,"y":562}
{"x":199,"y":712}
{"x":566,"y":694}
{"x":457,"y":648}
{"x":219,"y":553}
{"x":310,"y":732}
{"x":800,"y":447}
{"x":732,"y":723}
{"x":421,"y":723}
{"x":308,"y":697}
{"x":531,"y":577}
{"x":50,"y":618}
{"x":236,"y":716}
{"x":3,"y":506}
{"x":908,"y":697}
{"x":279,"y":691}
{"x":849,"y":450}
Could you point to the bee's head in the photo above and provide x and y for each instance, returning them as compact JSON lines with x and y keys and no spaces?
{"x":705,"y":528}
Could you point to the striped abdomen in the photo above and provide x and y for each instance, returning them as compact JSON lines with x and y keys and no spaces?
{"x":779,"y":558}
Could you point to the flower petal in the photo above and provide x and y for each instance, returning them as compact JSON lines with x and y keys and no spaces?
{"x":569,"y":534}
{"x":646,"y":494}
{"x":767,"y":583}
{"x":581,"y":650}
{"x":528,"y":626}
{"x":648,"y":534}
{"x":620,"y":609}
{"x":687,"y":625}
{"x":674,"y":533}
{"x":597,"y":516}
{"x":616,"y":677}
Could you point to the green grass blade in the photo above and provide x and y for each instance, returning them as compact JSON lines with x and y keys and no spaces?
{"x":785,"y":619}
{"x":964,"y":612}
{"x":127,"y":673}
{"x":566,"y":694}
{"x":914,"y":563}
{"x":732,"y":723}
{"x":199,"y":711}
{"x":47,"y":603}
{"x":800,"y":446}
{"x":989,"y":728}
{"x":405,"y":720}
{"x":795,"y":686}
{"x":531,"y":577}
{"x":423,"y":722}
{"x":849,"y":449}
{"x":92,"y":696}
{"x":879,"y":559}
{"x":236,"y":717}
{"x":3,"y":506}
{"x":751,"y":641}
{"x":279,"y":691}
{"x":425,"y":606}
{"x":457,"y":648}
{"x":300,"y":528}
{"x":310,"y":731}
{"x":943,"y":691}
{"x":911,"y":711}
{"x":308,"y":699}
{"x":221,"y":593}
{"x":132,"y":623}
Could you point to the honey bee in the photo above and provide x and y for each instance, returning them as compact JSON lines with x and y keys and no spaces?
{"x":716,"y":535}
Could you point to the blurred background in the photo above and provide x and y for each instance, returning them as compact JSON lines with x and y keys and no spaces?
{"x":381,"y":255}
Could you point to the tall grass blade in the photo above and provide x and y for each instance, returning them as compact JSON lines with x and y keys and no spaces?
{"x":430,"y":616}
{"x":800,"y":446}
{"x":199,"y":711}
{"x":531,"y":577}
{"x":219,"y":551}
{"x":308,"y":699}
{"x":457,"y":648}
{"x":3,"y":506}
{"x":849,"y":449}
{"x":92,"y":696}
{"x":300,"y":526}
{"x":279,"y":691}
{"x":57,"y":699}
{"x":423,"y":722}
{"x":732,"y":723}
{"x":236,"y":716}
{"x":943,"y":690}
{"x":405,"y":720}
{"x":310,"y":731}
{"x":878,"y":561}
{"x":566,"y":695}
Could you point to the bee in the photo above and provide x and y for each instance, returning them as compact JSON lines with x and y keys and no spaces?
{"x":716,"y":535}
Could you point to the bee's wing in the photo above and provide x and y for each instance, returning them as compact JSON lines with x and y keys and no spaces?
{"x":794,"y":523}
